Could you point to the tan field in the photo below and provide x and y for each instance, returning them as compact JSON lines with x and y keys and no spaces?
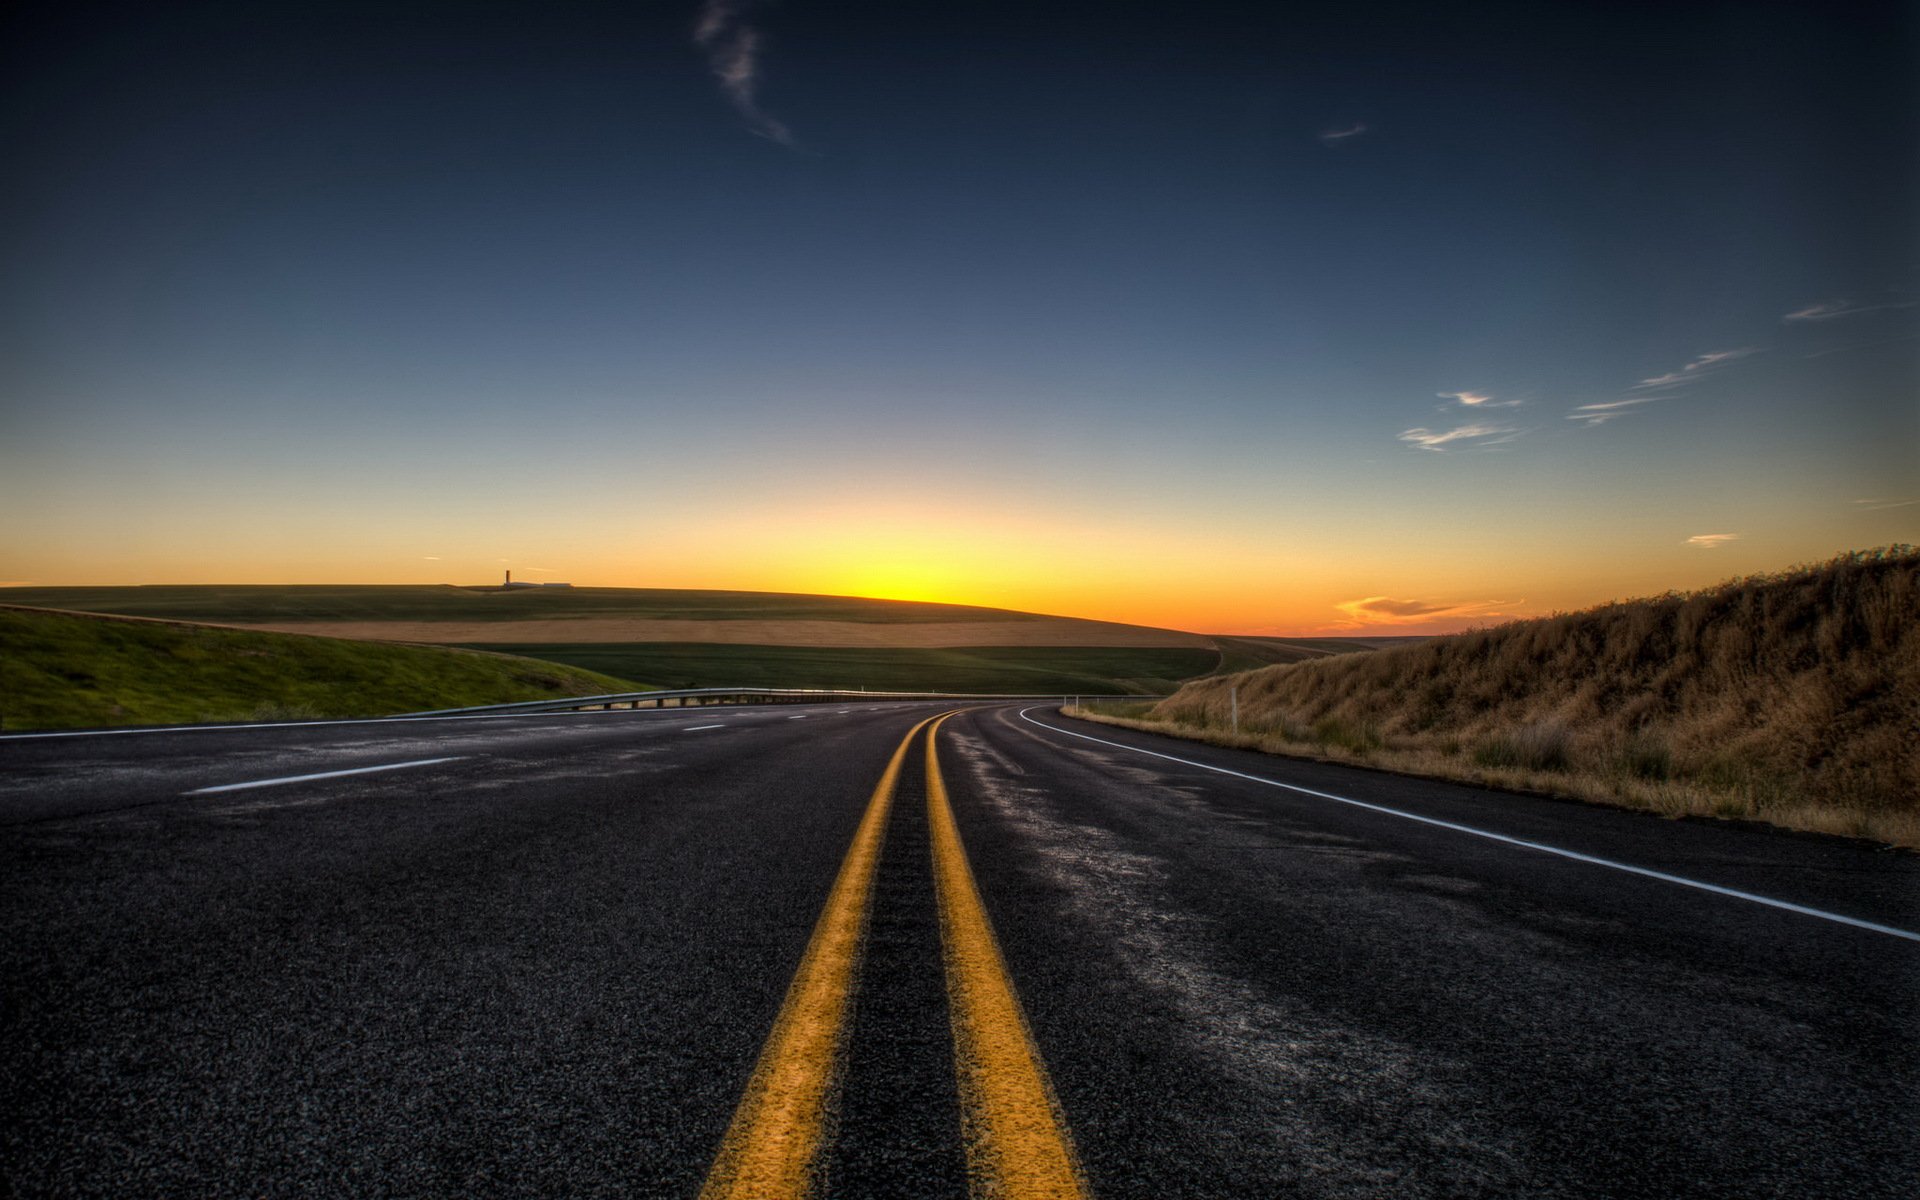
{"x":1060,"y":631}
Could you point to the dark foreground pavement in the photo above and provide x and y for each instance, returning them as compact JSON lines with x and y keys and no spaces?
{"x":549,"y":964}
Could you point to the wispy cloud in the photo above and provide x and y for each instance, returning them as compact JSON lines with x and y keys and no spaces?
{"x":1719,"y":356}
{"x":733,"y":45}
{"x":1712,"y":541}
{"x":1833,"y":310}
{"x":1877,"y":505}
{"x":1477,"y":400}
{"x":1389,"y":610}
{"x":1694,"y":371}
{"x":430,"y":558}
{"x":1460,"y":437}
{"x":1600,"y":414}
{"x":1659,"y":387}
{"x":1334,"y":137}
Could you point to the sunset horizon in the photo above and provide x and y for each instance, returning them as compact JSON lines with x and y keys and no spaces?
{"x":1252,"y":322}
{"x":1361,"y":615}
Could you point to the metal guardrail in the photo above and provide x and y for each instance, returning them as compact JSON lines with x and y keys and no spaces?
{"x":701,"y":697}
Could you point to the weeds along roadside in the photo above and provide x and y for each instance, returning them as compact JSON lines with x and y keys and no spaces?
{"x":1791,"y":698}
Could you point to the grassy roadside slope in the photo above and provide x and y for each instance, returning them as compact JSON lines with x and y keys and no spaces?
{"x":1792,"y":698}
{"x":63,"y":671}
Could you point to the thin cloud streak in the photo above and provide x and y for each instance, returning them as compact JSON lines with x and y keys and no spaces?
{"x":1833,"y":310}
{"x":733,"y":47}
{"x":1334,"y":137}
{"x":1659,"y":387}
{"x":1715,"y":359}
{"x":1470,"y":436}
{"x":1877,"y":505}
{"x":1711,"y":541}
{"x":1629,"y":402}
{"x":1477,"y":400}
{"x":1694,"y":371}
{"x":1390,"y":611}
{"x":1607,"y":410}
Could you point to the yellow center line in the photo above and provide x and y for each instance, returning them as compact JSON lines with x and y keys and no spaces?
{"x":1016,"y":1138}
{"x":772,"y":1148}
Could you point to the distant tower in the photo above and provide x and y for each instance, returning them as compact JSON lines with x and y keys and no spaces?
{"x":509,"y":582}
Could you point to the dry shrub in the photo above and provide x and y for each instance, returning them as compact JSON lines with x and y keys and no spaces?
{"x":1647,"y":756}
{"x":1541,"y":746}
{"x":1355,"y":738}
{"x":1792,"y":697}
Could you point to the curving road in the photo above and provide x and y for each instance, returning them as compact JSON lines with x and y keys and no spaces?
{"x":644,"y":953}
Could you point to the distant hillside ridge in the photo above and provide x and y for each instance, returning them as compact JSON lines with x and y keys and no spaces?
{"x":697,"y":638}
{"x":1792,"y":698}
{"x":332,"y":602}
{"x":70,"y":670}
{"x":448,"y":615}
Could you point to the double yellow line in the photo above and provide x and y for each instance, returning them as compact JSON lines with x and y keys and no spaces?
{"x":1016,"y":1140}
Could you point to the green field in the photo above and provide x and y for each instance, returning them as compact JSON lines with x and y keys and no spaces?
{"x":1037,"y":670}
{"x":62,"y":671}
{"x":268,"y":604}
{"x":1251,"y":653}
{"x":1022,"y":669}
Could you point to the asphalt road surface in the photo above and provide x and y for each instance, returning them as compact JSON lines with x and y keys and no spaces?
{"x":757,"y":951}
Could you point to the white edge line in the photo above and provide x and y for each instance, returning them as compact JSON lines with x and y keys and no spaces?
{"x":73,"y":733}
{"x":692,"y":728}
{"x":260,"y":783}
{"x":1575,"y":855}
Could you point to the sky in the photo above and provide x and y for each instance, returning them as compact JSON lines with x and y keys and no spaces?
{"x":1274,"y":318}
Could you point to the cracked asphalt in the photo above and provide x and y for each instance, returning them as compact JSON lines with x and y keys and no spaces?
{"x":549,"y":964}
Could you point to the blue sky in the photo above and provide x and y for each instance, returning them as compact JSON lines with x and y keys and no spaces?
{"x":1461,"y":307}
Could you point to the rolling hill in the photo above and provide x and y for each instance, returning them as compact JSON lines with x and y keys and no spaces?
{"x":69,"y":670}
{"x":686,"y":638}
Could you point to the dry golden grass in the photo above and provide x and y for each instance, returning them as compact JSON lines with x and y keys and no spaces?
{"x":1791,"y":698}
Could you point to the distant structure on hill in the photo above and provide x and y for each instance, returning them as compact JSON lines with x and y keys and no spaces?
{"x":509,"y":583}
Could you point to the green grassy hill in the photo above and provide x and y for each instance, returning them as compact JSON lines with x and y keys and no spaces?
{"x":275,"y":603}
{"x":61,"y":670}
{"x":1028,"y":652}
{"x":1793,"y":698}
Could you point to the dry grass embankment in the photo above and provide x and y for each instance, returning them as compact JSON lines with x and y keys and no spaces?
{"x":1791,"y":698}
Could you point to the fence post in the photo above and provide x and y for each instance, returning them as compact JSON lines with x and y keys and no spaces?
{"x":1233,"y":697}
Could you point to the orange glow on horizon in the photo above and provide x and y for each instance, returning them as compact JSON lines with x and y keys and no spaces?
{"x":1244,"y":574}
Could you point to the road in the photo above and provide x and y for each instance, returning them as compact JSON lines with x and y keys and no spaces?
{"x":748,"y":951}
